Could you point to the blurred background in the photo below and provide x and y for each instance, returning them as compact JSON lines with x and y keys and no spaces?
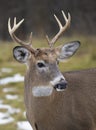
{"x":39,"y":19}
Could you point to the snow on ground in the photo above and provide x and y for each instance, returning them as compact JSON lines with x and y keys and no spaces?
{"x":6,"y":90}
{"x":1,"y":101}
{"x":6,"y":117}
{"x":11,"y":97}
{"x":24,"y":125}
{"x":6,"y":70}
{"x":9,"y":109}
{"x":15,"y":78}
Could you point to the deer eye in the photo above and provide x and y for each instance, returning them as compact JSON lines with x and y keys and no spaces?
{"x":41,"y":64}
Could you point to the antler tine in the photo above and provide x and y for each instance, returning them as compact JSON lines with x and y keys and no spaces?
{"x":30,"y":39}
{"x":15,"y":26}
{"x":13,"y":36}
{"x":61,"y":28}
{"x":59,"y":23}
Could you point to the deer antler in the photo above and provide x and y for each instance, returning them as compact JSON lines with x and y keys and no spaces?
{"x":13,"y":36}
{"x":62,"y":29}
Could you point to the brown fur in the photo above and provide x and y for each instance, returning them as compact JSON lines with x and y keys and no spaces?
{"x":72,"y":109}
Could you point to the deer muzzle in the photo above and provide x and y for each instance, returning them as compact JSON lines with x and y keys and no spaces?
{"x":59,"y":83}
{"x":61,"y":86}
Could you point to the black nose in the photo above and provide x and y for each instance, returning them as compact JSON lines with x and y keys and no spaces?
{"x":61,"y":86}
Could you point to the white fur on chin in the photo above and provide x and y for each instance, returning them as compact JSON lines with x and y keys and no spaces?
{"x":41,"y":91}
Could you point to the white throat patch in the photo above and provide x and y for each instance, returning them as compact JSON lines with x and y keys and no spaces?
{"x":41,"y":91}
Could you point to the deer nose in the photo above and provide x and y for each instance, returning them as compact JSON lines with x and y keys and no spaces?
{"x":61,"y":86}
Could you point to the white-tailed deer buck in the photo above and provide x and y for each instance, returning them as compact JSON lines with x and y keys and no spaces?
{"x":55,"y":100}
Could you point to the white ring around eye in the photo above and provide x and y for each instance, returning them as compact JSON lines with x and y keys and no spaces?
{"x":41,"y":64}
{"x":43,"y":67}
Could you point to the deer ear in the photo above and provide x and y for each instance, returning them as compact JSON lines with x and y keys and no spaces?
{"x":21,"y":54}
{"x":67,"y":50}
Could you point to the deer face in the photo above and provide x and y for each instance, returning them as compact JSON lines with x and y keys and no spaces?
{"x":43,"y":65}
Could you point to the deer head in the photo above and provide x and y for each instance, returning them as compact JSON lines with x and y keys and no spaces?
{"x":42,"y":63}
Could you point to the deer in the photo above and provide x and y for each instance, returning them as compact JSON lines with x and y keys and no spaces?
{"x":55,"y":100}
